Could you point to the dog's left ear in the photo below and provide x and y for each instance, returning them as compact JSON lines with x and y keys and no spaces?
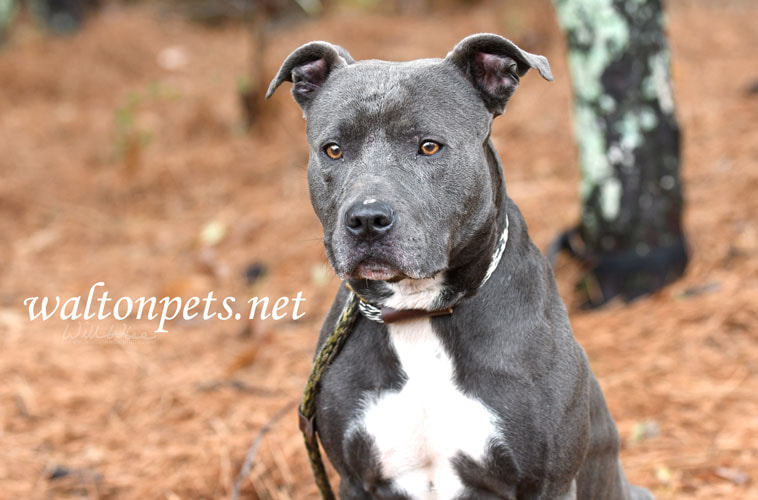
{"x":494,"y":65}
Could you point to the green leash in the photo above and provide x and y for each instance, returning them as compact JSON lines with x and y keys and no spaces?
{"x":307,"y":410}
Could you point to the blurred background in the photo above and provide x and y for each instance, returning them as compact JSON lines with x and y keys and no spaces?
{"x":136,"y":149}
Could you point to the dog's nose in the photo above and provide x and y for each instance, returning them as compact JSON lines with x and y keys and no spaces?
{"x":369,"y":219}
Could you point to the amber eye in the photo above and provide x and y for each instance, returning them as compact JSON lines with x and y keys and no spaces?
{"x":333,"y":151}
{"x":428,"y":148}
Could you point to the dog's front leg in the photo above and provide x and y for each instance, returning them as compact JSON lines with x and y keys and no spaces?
{"x":571,"y":494}
{"x":351,"y":490}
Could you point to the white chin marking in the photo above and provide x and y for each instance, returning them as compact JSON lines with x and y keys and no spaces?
{"x":419,"y":429}
{"x":415,"y":294}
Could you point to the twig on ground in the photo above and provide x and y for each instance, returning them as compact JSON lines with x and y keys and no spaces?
{"x":247,"y":465}
{"x":238,"y":385}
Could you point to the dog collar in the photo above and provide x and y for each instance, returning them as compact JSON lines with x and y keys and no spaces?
{"x":389,"y":315}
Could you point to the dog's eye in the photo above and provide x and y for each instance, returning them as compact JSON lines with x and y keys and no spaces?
{"x":428,"y":148}
{"x":333,"y":151}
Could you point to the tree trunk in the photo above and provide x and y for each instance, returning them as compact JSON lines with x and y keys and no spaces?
{"x":630,"y":236}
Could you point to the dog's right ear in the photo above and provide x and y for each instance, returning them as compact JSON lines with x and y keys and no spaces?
{"x":308,"y":67}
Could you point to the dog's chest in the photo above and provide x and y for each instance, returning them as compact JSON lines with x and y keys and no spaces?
{"x":419,"y":429}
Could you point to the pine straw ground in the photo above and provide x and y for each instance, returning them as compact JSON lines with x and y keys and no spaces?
{"x":187,"y":207}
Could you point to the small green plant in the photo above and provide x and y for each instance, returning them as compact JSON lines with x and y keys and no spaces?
{"x":128,"y":135}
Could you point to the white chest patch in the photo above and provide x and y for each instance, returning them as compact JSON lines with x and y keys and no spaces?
{"x":420,"y":428}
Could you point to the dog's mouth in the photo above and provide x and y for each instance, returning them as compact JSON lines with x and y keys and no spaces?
{"x":382,"y":262}
{"x":377,"y":270}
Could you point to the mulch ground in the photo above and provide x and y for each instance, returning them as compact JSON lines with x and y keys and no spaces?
{"x":123,"y":160}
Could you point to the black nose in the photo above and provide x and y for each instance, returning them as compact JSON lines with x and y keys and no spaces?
{"x":369,"y":219}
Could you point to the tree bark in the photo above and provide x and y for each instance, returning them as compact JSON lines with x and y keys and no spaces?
{"x":630,"y":236}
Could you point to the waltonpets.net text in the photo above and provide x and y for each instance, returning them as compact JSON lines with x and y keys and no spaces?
{"x":102,"y":306}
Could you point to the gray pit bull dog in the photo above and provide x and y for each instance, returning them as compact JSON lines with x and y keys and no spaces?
{"x":495,"y":400}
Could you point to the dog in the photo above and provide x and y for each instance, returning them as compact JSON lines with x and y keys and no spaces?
{"x":461,"y":378}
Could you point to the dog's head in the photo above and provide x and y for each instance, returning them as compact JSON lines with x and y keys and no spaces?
{"x":399,"y":172}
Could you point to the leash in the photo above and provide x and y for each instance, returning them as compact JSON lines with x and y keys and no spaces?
{"x":333,"y":345}
{"x":307,"y":409}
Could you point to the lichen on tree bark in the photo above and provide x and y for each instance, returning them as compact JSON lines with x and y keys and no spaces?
{"x":628,"y":141}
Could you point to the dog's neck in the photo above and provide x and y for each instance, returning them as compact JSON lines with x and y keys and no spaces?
{"x":469,"y":265}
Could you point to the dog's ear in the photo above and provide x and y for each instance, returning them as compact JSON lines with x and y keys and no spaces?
{"x":308,"y":67}
{"x":494,"y":65}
